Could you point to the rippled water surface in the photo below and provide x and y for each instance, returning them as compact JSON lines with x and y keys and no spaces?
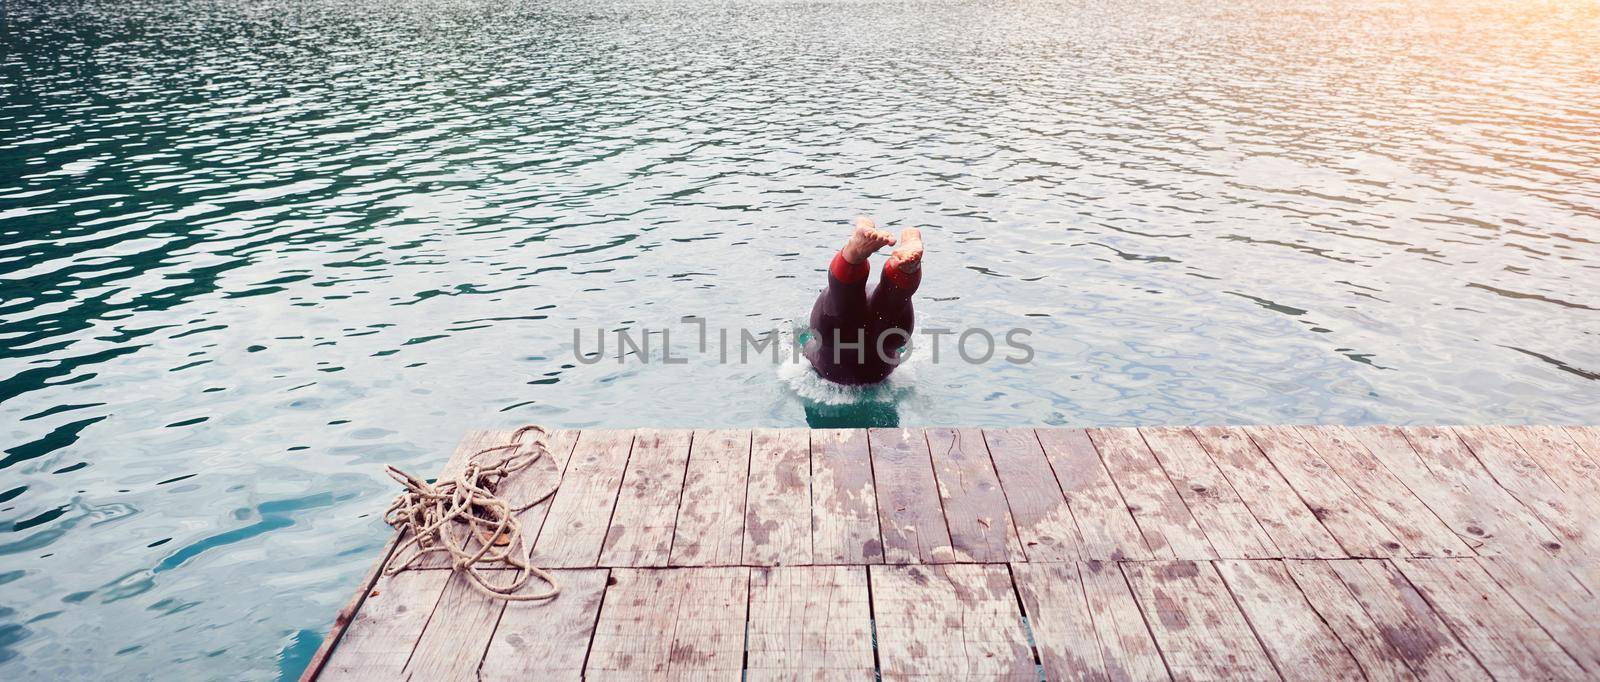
{"x":253,"y":250}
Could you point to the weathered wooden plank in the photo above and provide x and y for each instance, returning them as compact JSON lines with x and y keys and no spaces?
{"x":671,"y":623}
{"x":1569,"y":517}
{"x":1108,"y":531}
{"x":1450,"y":461}
{"x":1343,"y":511}
{"x":1200,"y":630}
{"x":1084,"y":637}
{"x":1587,"y":438}
{"x":1587,"y":573}
{"x":777,"y":525}
{"x":708,"y":639}
{"x":949,"y":621}
{"x":341,"y":620}
{"x":638,"y":612}
{"x":546,"y":640}
{"x":1294,"y":530}
{"x":1127,"y":648}
{"x":1471,"y":520}
{"x":575,"y":527}
{"x":844,"y":501}
{"x":642,"y":525}
{"x":1169,"y":530}
{"x":466,"y":448}
{"x":975,"y":509}
{"x":1561,"y":603}
{"x":1045,"y":526}
{"x":453,"y":643}
{"x":1405,"y":621}
{"x":1297,"y":639}
{"x":910,"y":513}
{"x":1419,"y":529}
{"x":1561,"y":456}
{"x":524,"y":487}
{"x":810,"y":622}
{"x":1228,"y":523}
{"x":519,"y":489}
{"x":1362,"y":637}
{"x":1499,"y":633}
{"x":710,"y":528}
{"x":471,"y":448}
{"x":1058,"y":614}
{"x":383,"y":633}
{"x":1560,"y":451}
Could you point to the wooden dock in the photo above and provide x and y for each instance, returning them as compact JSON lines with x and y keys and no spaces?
{"x":1155,"y":553}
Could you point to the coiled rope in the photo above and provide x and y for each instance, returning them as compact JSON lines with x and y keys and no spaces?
{"x":466,"y":519}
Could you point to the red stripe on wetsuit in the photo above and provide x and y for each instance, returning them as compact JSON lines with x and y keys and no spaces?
{"x":900,"y":278}
{"x":854,"y":273}
{"x":847,"y":272}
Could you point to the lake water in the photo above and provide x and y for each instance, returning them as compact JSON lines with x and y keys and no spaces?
{"x":251,"y":251}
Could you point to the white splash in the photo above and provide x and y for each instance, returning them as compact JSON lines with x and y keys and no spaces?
{"x":808,"y":385}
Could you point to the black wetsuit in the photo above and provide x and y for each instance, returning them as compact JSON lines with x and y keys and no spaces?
{"x":850,"y":324}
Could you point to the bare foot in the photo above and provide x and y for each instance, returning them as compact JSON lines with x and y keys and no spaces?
{"x":907,"y":257}
{"x":865,"y":240}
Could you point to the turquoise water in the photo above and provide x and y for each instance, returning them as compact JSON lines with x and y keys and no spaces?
{"x":252,"y":251}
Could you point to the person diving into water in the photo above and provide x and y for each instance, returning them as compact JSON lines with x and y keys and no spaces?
{"x":857,"y":334}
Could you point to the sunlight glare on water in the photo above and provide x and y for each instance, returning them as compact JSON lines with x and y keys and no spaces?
{"x":252,"y":250}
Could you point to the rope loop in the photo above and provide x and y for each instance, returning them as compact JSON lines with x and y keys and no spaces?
{"x":465,"y":518}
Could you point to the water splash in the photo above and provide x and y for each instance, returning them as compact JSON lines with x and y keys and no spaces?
{"x":803,"y":380}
